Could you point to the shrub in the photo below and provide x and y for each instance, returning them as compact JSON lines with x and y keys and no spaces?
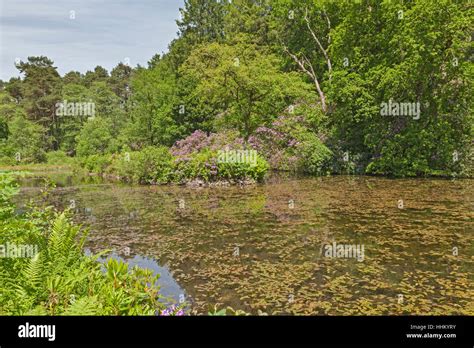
{"x":199,"y":141}
{"x":25,"y":140}
{"x":314,"y":156}
{"x":60,"y":279}
{"x":198,"y":153}
{"x":422,"y":152}
{"x":199,"y":165}
{"x":7,"y":161}
{"x":291,"y":145}
{"x":152,"y":165}
{"x":96,"y":163}
{"x":96,"y":138}
{"x":58,"y":157}
{"x":243,"y":170}
{"x":156,"y":165}
{"x":205,"y":166}
{"x":193,"y":143}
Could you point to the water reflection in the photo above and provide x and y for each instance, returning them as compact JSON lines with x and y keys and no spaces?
{"x":169,"y":288}
{"x":261,"y":247}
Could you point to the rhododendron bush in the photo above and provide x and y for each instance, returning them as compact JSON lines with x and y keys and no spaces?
{"x":289,"y":144}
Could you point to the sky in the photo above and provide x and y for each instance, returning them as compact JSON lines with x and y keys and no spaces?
{"x":81,"y":34}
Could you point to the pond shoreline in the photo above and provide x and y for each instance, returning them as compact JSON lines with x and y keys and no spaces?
{"x":251,"y":247}
{"x":39,"y":169}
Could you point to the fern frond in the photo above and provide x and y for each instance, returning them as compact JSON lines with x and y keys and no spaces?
{"x":84,"y":306}
{"x":56,"y":238}
{"x":33,"y":273}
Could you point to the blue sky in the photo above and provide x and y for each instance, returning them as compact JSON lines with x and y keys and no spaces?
{"x":103,"y":32}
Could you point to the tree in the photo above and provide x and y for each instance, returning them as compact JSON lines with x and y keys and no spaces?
{"x":8,"y":110}
{"x":99,"y":74}
{"x":152,"y":103}
{"x":13,"y":87}
{"x":242,"y":86}
{"x":250,"y":21}
{"x":154,"y":61}
{"x":202,"y":21}
{"x":25,"y":141}
{"x":119,"y":82}
{"x":74,"y":77}
{"x":4,"y":132}
{"x":71,"y":125}
{"x":395,"y":54}
{"x":108,"y":105}
{"x":96,"y":138}
{"x":304,"y":30}
{"x":40,"y":91}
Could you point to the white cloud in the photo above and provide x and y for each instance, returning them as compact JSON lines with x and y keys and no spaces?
{"x":103,"y":32}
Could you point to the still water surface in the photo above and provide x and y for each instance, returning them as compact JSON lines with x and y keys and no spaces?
{"x":264,"y":247}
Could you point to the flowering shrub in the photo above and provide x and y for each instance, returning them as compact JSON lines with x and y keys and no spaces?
{"x":199,"y":141}
{"x":193,"y":158}
{"x":290,"y":145}
{"x":272,"y":144}
{"x":198,"y":153}
{"x":204,"y":166}
{"x":199,"y":165}
{"x":194,"y":143}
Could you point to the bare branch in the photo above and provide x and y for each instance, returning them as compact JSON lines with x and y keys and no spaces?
{"x":329,"y":26}
{"x":299,"y":62}
{"x":318,"y":87}
{"x":306,"y":66}
{"x":323,"y":50}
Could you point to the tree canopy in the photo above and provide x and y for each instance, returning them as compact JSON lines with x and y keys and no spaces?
{"x":242,"y":64}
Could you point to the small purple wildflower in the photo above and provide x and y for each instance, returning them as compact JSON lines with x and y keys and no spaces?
{"x":173,"y":310}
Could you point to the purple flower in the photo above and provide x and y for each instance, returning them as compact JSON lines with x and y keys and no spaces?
{"x":173,"y":310}
{"x":293,"y":142}
{"x":193,"y":143}
{"x":199,"y":141}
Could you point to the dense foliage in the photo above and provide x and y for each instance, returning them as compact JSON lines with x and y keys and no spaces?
{"x":59,"y":279}
{"x":306,"y":83}
{"x":157,"y":165}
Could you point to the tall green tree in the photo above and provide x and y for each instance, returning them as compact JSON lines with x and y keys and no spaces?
{"x":202,"y":21}
{"x":240,"y":86}
{"x":152,"y":101}
{"x":40,"y":91}
{"x":74,"y":77}
{"x":71,"y":125}
{"x":21,"y":140}
{"x":119,"y":82}
{"x":96,"y":138}
{"x":393,"y":53}
{"x":99,"y":74}
{"x":250,"y":21}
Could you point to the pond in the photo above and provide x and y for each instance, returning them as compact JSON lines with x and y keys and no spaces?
{"x":268,"y":247}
